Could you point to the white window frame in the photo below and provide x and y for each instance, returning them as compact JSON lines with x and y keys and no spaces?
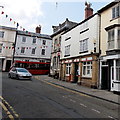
{"x":2,"y":34}
{"x":84,"y":45}
{"x":87,"y":67}
{"x":42,"y":52}
{"x":33,"y":51}
{"x":22,"y":50}
{"x":34,"y":40}
{"x":67,"y":50}
{"x":68,"y":69}
{"x":116,"y":12}
{"x":1,"y":44}
{"x":23,"y":39}
{"x":111,"y":39}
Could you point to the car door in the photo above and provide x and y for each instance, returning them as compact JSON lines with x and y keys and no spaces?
{"x":13,"y":72}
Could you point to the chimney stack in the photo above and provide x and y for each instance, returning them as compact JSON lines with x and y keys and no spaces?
{"x":88,"y":10}
{"x":38,"y":29}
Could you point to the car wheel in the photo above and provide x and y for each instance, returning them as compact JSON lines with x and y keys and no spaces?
{"x":9,"y":76}
{"x":17,"y":77}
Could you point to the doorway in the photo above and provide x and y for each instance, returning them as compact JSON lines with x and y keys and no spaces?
{"x":8,"y":65}
{"x":105,"y":78}
{"x":76,"y":71}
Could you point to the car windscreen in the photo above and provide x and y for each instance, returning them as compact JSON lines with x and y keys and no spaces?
{"x":22,"y":70}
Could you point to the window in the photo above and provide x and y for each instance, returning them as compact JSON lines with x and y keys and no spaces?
{"x":111,"y":36}
{"x":68,"y":69}
{"x":44,"y":42}
{"x":118,"y":70}
{"x":119,"y":38}
{"x":34,"y":40}
{"x":1,"y":34}
{"x":43,"y":52}
{"x":84,"y":45}
{"x":116,"y":12}
{"x":23,"y":50}
{"x":33,"y":51}
{"x":67,"y":50}
{"x":23,"y":39}
{"x":87,"y":69}
{"x":1,"y":47}
{"x":54,"y":62}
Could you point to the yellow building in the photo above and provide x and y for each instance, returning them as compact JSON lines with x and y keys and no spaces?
{"x":110,"y":46}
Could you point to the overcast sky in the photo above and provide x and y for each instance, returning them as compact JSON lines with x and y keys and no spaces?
{"x":31,"y":13}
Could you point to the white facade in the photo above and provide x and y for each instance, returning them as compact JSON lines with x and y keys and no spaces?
{"x":7,"y":39}
{"x":32,"y":47}
{"x":85,"y":33}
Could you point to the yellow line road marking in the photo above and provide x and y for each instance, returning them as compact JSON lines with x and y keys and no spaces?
{"x":10,"y":107}
{"x":67,"y":89}
{"x":6,"y":110}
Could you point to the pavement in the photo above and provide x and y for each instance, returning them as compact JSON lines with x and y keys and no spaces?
{"x":97,"y":93}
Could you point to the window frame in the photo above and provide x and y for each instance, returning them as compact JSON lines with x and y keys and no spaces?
{"x":22,"y":50}
{"x":33,"y":51}
{"x":68,"y":69}
{"x":85,"y":69}
{"x":67,"y":50}
{"x":2,"y":34}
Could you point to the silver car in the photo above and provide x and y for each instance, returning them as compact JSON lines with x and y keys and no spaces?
{"x":19,"y":73}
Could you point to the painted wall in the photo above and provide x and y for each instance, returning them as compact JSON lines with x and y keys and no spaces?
{"x":92,"y":33}
{"x":106,"y":20}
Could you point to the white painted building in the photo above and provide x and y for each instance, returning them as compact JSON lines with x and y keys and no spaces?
{"x":33,"y":47}
{"x":80,"y":52}
{"x":7,"y":39}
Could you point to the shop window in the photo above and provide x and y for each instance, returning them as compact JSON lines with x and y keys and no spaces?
{"x":68,"y":69}
{"x":87,"y":69}
{"x":118,"y":70}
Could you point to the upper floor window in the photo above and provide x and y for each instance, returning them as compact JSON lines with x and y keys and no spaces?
{"x":1,"y":34}
{"x":33,"y":51}
{"x":23,"y":39}
{"x":67,"y":50}
{"x":44,"y":42}
{"x":84,"y":45}
{"x":34,"y":40}
{"x":1,"y":47}
{"x":116,"y":12}
{"x":43,"y":52}
{"x":118,"y":38}
{"x":111,"y":37}
{"x":22,"y":49}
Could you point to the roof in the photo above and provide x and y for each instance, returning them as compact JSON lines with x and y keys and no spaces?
{"x":33,"y":34}
{"x":8,"y":28}
{"x":80,"y":23}
{"x":108,"y":6}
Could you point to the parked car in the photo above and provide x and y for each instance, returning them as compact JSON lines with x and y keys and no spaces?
{"x":19,"y":73}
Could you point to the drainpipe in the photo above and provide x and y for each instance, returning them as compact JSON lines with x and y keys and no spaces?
{"x":14,"y":47}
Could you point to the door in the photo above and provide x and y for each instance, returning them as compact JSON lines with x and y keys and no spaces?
{"x":76,"y":71}
{"x":104,"y":78}
{"x":8,"y":65}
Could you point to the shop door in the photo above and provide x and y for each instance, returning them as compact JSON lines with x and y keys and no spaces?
{"x":104,"y":80}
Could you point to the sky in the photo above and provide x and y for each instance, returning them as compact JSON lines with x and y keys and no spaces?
{"x":31,"y":13}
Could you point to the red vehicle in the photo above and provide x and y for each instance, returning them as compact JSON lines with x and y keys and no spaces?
{"x":40,"y":68}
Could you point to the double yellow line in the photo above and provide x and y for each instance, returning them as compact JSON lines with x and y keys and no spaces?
{"x":7,"y":108}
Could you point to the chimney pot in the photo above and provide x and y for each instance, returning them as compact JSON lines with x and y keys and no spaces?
{"x":38,"y":29}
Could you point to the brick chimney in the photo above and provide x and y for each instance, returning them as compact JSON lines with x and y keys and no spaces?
{"x":88,"y":10}
{"x":38,"y":29}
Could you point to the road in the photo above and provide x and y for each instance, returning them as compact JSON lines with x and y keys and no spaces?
{"x":38,"y":99}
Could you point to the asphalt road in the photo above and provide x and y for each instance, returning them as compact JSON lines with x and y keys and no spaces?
{"x":37,"y":99}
